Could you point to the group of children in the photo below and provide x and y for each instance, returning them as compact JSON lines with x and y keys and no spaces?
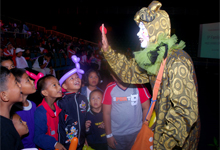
{"x":62,"y":116}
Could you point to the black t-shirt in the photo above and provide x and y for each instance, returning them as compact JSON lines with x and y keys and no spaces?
{"x":9,"y":137}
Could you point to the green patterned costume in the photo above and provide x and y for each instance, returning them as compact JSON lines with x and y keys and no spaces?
{"x":177,"y":113}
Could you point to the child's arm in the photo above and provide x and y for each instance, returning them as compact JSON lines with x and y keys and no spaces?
{"x":40,"y":124}
{"x":144,"y":98}
{"x":107,"y":121}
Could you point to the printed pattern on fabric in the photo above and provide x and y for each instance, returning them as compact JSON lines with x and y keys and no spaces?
{"x":178,"y":122}
{"x":128,"y":71}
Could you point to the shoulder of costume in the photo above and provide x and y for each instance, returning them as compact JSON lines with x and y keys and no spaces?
{"x":178,"y":53}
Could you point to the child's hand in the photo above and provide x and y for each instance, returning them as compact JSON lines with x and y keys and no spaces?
{"x":59,"y":146}
{"x":102,"y":126}
{"x":88,"y":124}
{"x":112,"y":142}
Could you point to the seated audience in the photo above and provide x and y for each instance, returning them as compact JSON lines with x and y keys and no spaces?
{"x":19,"y":60}
{"x":9,"y":50}
{"x":43,"y":64}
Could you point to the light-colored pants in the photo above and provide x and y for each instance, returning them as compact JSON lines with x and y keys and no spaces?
{"x":45,"y":71}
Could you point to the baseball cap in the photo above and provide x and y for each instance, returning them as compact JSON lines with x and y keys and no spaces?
{"x":19,"y":50}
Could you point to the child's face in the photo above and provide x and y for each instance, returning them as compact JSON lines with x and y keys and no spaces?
{"x":20,"y":125}
{"x":8,"y":64}
{"x":19,"y":54}
{"x":93,"y":79}
{"x":27,"y":85}
{"x":52,"y":89}
{"x":13,"y":89}
{"x":96,"y":100}
{"x":72,"y":84}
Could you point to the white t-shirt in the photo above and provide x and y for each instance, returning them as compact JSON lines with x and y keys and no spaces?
{"x":21,"y":62}
{"x":84,"y":58}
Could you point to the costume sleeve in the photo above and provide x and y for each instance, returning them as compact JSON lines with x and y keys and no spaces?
{"x":183,"y":112}
{"x":127,"y":71}
{"x":40,"y":129}
{"x":143,"y":93}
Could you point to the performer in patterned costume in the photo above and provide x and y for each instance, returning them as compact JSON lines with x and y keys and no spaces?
{"x":178,"y":123}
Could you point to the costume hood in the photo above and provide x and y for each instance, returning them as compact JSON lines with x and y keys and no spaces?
{"x":155,"y":20}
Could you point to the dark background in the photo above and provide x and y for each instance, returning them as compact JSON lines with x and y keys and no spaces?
{"x":83,"y":18}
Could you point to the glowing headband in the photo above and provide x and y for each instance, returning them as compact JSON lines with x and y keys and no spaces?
{"x":71,"y":72}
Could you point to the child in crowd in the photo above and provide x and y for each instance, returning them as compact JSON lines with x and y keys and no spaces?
{"x":123,"y":105}
{"x":19,"y":60}
{"x":26,"y":112}
{"x":95,"y":130}
{"x":10,"y":93}
{"x":7,"y":62}
{"x":46,"y":115}
{"x":91,"y":80}
{"x":74,"y":107}
{"x":20,"y":125}
{"x":43,"y":64}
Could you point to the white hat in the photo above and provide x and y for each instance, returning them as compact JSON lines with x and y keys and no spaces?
{"x":19,"y":50}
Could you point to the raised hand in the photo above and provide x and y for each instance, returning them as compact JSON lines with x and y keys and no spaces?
{"x":88,"y":124}
{"x":104,"y":40}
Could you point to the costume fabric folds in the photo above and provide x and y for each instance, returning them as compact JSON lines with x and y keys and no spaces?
{"x":177,"y":113}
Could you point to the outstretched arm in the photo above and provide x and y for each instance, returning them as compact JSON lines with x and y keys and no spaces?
{"x":127,"y":71}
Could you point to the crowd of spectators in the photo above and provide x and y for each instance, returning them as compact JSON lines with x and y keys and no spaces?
{"x":39,"y":43}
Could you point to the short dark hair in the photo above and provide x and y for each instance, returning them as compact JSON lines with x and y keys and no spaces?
{"x":41,"y":83}
{"x":6,"y":58}
{"x":96,"y":90}
{"x":86,"y":77}
{"x":49,"y":54}
{"x":4,"y":74}
{"x":18,"y":73}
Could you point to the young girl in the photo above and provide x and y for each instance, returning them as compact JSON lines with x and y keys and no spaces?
{"x":26,"y":111}
{"x":92,"y":78}
{"x":46,"y":115}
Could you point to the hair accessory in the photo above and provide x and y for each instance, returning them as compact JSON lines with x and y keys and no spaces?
{"x":77,"y":70}
{"x":35,"y":77}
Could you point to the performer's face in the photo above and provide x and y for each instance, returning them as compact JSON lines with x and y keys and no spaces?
{"x":143,"y":35}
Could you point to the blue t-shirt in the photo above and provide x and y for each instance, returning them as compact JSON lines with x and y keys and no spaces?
{"x":27,"y":115}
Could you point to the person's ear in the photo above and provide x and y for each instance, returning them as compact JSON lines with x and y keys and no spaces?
{"x":4,"y":96}
{"x":44,"y":92}
{"x":64,"y":86}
